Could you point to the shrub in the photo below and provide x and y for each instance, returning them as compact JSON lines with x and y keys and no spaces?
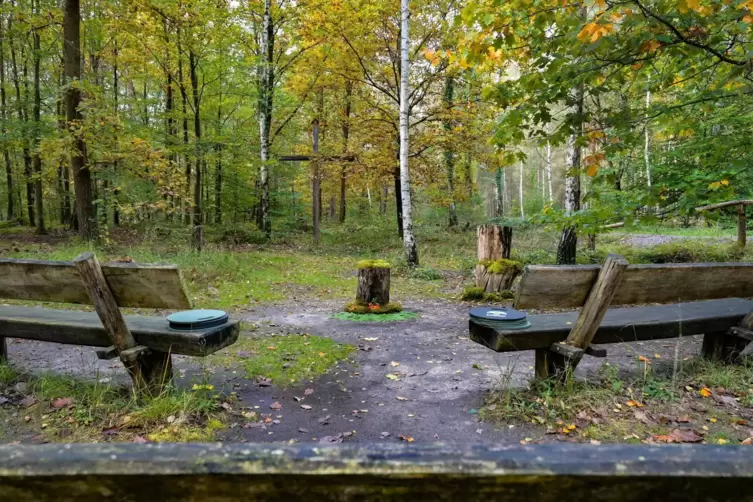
{"x":425,"y":273}
{"x":472,"y":293}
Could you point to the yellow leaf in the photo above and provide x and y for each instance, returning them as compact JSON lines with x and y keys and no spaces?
{"x":322,"y":354}
{"x":634,"y":404}
{"x":592,"y":170}
{"x":747,"y":18}
{"x":705,"y":392}
{"x":721,"y":441}
{"x":724,"y":182}
{"x":712,"y":420}
{"x":394,"y":364}
{"x":714,"y":185}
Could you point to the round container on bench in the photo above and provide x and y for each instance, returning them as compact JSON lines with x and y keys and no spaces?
{"x":190,"y":320}
{"x":500,"y":317}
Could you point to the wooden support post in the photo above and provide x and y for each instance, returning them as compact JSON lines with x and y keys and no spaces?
{"x":569,"y":353}
{"x":3,"y":349}
{"x":145,"y":369}
{"x":741,"y":225}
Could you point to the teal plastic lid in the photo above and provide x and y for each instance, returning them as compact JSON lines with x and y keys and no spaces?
{"x":196,"y":319}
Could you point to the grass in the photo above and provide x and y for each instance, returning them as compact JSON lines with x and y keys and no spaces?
{"x":283,"y":359}
{"x":709,"y":397}
{"x":64,"y":409}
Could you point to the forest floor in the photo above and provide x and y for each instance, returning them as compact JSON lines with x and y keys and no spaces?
{"x":297,"y":374}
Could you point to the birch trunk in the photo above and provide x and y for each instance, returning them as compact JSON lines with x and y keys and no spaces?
{"x":549,"y":170}
{"x":266,"y":92}
{"x":449,"y":153}
{"x":566,"y":250}
{"x":499,"y":192}
{"x":409,"y":241}
{"x":520,"y":192}
{"x":646,"y":157}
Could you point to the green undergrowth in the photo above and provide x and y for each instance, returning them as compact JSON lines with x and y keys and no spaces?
{"x":58,"y":408}
{"x":500,"y":266}
{"x":391,"y":317}
{"x":474,"y":294}
{"x":714,"y":400}
{"x":283,"y":359}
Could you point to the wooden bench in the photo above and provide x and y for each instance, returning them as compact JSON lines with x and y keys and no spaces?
{"x":702,"y":298}
{"x":382,"y":471}
{"x":143,"y":343}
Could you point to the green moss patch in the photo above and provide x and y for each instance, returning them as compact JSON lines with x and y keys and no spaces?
{"x":501,"y":265}
{"x":393,"y":317}
{"x":373,"y":264}
{"x":283,"y":359}
{"x":472,"y":293}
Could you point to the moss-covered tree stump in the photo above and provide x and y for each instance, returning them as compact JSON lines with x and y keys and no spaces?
{"x":496,"y":276}
{"x":373,"y":292}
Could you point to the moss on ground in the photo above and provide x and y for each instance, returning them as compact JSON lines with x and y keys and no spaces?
{"x":502,"y":265}
{"x":373,"y":264}
{"x":283,"y":359}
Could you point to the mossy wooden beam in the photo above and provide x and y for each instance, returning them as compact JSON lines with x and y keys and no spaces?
{"x":196,"y":472}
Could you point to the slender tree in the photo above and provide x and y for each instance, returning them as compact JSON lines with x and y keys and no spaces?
{"x":409,"y":241}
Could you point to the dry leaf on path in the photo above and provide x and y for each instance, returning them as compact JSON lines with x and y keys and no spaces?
{"x":680,"y":436}
{"x":62,"y":402}
{"x":308,"y":392}
{"x":275,"y":406}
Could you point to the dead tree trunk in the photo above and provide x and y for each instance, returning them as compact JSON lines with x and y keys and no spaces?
{"x":373,"y":286}
{"x":495,"y":272}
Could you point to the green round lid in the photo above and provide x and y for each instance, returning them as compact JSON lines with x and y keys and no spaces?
{"x":196,"y":319}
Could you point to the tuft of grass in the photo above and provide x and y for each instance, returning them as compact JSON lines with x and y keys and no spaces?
{"x":94,"y":411}
{"x":7,"y":375}
{"x":284,"y":359}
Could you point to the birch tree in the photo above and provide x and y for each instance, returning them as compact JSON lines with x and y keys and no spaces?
{"x":409,"y":241}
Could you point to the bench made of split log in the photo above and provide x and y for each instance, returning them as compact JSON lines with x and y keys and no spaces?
{"x":143,"y":343}
{"x":374,"y":472}
{"x":704,"y":298}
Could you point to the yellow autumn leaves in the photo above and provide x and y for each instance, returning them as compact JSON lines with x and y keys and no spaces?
{"x":594,"y":31}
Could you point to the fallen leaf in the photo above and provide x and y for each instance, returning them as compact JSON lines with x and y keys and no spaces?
{"x":112,"y":431}
{"x":596,"y":442}
{"x":722,"y":441}
{"x":634,"y":404}
{"x":171,"y":419}
{"x":331,"y":439}
{"x":747,"y":441}
{"x":306,"y":407}
{"x":28,"y":401}
{"x":371,"y":338}
{"x":308,"y":392}
{"x":476,"y":366}
{"x":407,"y":439}
{"x":275,"y":406}
{"x":392,"y":376}
{"x":303,"y":431}
{"x":394,"y":364}
{"x":140,"y":440}
{"x":62,"y":402}
{"x":705,"y":392}
{"x":384,"y":435}
{"x":641,"y":417}
{"x":644,"y":359}
{"x":322,"y":354}
{"x":324,"y":420}
{"x":680,"y":436}
{"x":401,"y":398}
{"x":728,"y":400}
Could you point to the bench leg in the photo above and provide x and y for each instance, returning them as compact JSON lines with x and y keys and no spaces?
{"x":157,"y":370}
{"x":720,"y":346}
{"x":551,"y":366}
{"x":3,"y":349}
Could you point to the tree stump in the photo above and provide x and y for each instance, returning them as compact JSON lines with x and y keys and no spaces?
{"x":373,"y":285}
{"x":495,"y":272}
{"x":493,"y":242}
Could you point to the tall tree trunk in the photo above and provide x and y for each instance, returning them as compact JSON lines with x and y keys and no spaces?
{"x":266,"y":100}
{"x":218,"y":168}
{"x":449,"y":153}
{"x":28,"y":167}
{"x":409,"y":241}
{"x":37,"y":132}
{"x":316,"y":192}
{"x":4,"y":117}
{"x":196,"y":220}
{"x":398,"y":199}
{"x":184,"y":109}
{"x":346,"y":136}
{"x":82,"y":179}
{"x":116,"y":96}
{"x":520,"y":191}
{"x":646,"y":138}
{"x":549,"y":170}
{"x":500,"y":193}
{"x":64,"y":178}
{"x":20,"y":110}
{"x":566,"y":250}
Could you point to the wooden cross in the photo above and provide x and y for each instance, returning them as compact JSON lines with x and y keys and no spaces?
{"x":316,"y":161}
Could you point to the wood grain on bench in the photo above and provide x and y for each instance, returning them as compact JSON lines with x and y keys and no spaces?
{"x":374,"y":472}
{"x":133,"y":285}
{"x":626,"y":324}
{"x":554,"y":287}
{"x":85,"y":328}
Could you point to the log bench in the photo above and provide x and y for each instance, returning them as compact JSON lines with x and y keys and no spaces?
{"x":374,"y":472}
{"x":143,"y":343}
{"x":697,"y":299}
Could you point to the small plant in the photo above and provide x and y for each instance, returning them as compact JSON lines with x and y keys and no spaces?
{"x":425,"y":273}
